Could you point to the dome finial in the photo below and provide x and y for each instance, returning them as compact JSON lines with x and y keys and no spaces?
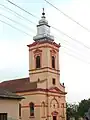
{"x":43,"y":14}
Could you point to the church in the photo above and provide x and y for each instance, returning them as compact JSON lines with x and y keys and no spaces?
{"x":44,"y":94}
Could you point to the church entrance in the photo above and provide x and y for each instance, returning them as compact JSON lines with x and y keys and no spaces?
{"x":54,"y":115}
{"x":54,"y":118}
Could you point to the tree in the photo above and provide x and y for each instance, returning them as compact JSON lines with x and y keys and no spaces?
{"x":71,"y":110}
{"x":79,"y":110}
{"x":84,"y":105}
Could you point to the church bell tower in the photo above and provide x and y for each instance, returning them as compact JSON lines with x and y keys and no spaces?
{"x":44,"y":55}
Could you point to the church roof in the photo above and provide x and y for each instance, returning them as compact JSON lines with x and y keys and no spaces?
{"x":42,"y":42}
{"x":24,"y":85}
{"x":18,"y":85}
{"x":7,"y":94}
{"x":43,"y":30}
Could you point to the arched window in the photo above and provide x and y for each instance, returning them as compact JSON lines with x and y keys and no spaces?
{"x":43,"y":109}
{"x":19,"y":110}
{"x":38,"y":62}
{"x":53,"y":62}
{"x":31,"y":109}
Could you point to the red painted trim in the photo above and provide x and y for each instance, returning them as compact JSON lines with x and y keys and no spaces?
{"x":55,"y":92}
{"x":53,"y":51}
{"x":33,"y":44}
{"x":44,"y":46}
{"x":25,"y":106}
{"x":42,"y":94}
{"x":37,"y":51}
{"x":42,"y":42}
{"x":55,"y":88}
{"x":45,"y":68}
{"x":37,"y":106}
{"x":44,"y":71}
{"x":43,"y":90}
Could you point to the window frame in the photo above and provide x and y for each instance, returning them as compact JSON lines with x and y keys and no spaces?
{"x":4,"y":115}
{"x":37,"y":52}
{"x":53,"y":62}
{"x":36,"y":62}
{"x":53,"y":81}
{"x":20,"y":110}
{"x":53,"y":54}
{"x":31,"y":113}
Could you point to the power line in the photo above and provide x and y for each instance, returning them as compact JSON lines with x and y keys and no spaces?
{"x":71,"y":37}
{"x":71,"y":49}
{"x":76,"y":57}
{"x":67,"y":16}
{"x":24,"y":17}
{"x":31,"y":36}
{"x":22,"y":9}
{"x":35,"y":23}
{"x":15,"y":28}
{"x":56,"y":37}
{"x":16,"y":22}
{"x":65,"y":41}
{"x":75,"y":51}
{"x":18,"y":14}
{"x":52,"y":26}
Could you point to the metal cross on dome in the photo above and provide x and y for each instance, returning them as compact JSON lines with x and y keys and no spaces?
{"x":43,"y":13}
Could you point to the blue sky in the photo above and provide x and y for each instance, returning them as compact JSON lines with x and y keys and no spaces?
{"x":14,"y":61}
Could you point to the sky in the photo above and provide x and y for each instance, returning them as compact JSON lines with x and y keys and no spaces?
{"x":74,"y":57}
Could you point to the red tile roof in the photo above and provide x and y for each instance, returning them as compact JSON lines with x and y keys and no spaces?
{"x":18,"y":85}
{"x":5,"y":94}
{"x":24,"y":85}
{"x":45,"y":41}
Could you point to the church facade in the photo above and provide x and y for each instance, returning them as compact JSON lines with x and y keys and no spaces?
{"x":44,"y":94}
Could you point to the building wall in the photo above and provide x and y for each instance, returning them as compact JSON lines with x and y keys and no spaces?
{"x":50,"y":100}
{"x":11,"y":107}
{"x":55,"y":104}
{"x":46,"y":69}
{"x":48,"y":82}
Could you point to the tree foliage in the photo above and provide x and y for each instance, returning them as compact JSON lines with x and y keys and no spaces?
{"x":79,"y":110}
{"x":84,"y":105}
{"x":71,"y":111}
